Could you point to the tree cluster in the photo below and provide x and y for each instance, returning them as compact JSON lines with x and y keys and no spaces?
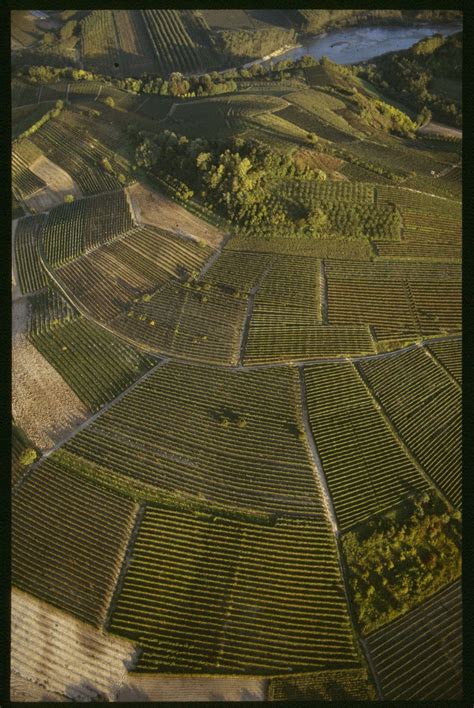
{"x":231,"y":176}
{"x":411,"y":75}
{"x":397,"y":560}
{"x":53,"y":113}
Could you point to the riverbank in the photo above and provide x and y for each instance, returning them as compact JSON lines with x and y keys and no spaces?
{"x":359,"y":43}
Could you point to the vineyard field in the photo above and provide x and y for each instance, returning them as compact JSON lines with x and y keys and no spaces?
{"x":174,"y":48}
{"x":450,"y":355}
{"x":425,"y":408}
{"x":24,"y":181}
{"x":398,"y":300}
{"x":366,"y":469}
{"x":219,"y":603}
{"x":200,"y":324}
{"x":31,"y":273}
{"x":68,"y":541}
{"x":194,"y":414}
{"x":83,"y":162}
{"x":82,"y":663}
{"x":343,"y":685}
{"x":20,"y":444}
{"x":96,"y":365}
{"x":99,"y":49}
{"x":359,"y":250}
{"x":74,"y":229}
{"x":433,"y":634}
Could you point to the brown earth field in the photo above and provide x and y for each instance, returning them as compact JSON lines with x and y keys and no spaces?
{"x":141,"y":687}
{"x":61,"y":656}
{"x":42,"y":403}
{"x":59,"y":183}
{"x":151,"y":207}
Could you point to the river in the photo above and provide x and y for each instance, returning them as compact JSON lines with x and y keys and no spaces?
{"x":355,"y":44}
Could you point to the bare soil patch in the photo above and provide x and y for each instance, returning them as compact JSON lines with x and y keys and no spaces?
{"x":191,"y":688}
{"x":59,"y":183}
{"x":42,"y":403}
{"x":151,"y":207}
{"x":24,"y":691}
{"x":62,"y":655}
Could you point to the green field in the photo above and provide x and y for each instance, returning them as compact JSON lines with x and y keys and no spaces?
{"x":236,"y":356}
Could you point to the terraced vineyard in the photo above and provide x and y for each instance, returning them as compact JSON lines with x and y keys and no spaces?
{"x":449,"y":354}
{"x":95,"y":364}
{"x":425,"y":407}
{"x":74,"y":229}
{"x":220,"y":603}
{"x":31,"y":273}
{"x":398,"y":300}
{"x":366,"y":469}
{"x":83,"y":162}
{"x":174,"y":48}
{"x":201,"y":325}
{"x":237,"y":359}
{"x":433,"y":634}
{"x":68,"y":540}
{"x":232,"y":438}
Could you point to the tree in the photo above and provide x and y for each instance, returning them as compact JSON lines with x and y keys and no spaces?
{"x":28,"y":456}
{"x":313,"y":138}
{"x":109,"y":101}
{"x":68,"y":198}
{"x":423,"y":117}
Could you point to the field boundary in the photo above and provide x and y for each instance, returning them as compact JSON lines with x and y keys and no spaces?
{"x":317,"y":465}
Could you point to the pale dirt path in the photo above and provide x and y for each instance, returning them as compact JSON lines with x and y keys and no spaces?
{"x":152,"y":207}
{"x":434,"y":128}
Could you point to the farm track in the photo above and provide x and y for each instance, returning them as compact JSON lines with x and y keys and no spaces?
{"x":248,"y":317}
{"x":125,"y":565}
{"x":213,"y":258}
{"x":323,"y":284}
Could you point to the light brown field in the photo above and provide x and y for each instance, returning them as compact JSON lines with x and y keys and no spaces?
{"x":62,"y":655}
{"x":151,"y":207}
{"x":59,"y":183}
{"x":144,"y":687}
{"x":42,"y":403}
